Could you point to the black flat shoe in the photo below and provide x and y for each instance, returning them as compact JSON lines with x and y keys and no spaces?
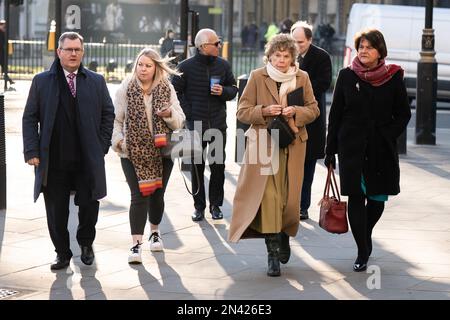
{"x":304,"y":215}
{"x":60,"y":263}
{"x":87,"y":255}
{"x":360,"y":265}
{"x":198,"y":215}
{"x":216,"y":214}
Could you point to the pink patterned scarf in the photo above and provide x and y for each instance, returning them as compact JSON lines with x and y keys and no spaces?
{"x":377,"y":76}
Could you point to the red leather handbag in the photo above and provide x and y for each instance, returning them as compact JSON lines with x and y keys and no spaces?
{"x":333,"y":211}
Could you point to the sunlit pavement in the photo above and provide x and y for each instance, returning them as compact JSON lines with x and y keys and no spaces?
{"x":410,"y":260}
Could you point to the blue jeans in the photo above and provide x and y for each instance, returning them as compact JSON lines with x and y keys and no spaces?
{"x":308,"y":176}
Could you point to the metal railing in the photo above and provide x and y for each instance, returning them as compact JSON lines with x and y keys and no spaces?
{"x":113,"y":60}
{"x":25,"y":58}
{"x":337,"y":61}
{"x":245,"y":60}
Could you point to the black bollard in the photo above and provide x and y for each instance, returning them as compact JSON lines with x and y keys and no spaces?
{"x":2,"y":154}
{"x":427,"y":70}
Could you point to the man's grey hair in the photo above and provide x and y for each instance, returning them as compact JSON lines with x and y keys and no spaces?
{"x":71,"y":36}
{"x":203,"y":36}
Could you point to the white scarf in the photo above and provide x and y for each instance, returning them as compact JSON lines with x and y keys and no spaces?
{"x":288,"y":80}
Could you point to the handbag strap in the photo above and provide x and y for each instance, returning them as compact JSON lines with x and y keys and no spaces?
{"x":184,"y":179}
{"x":333,"y":181}
{"x":326,"y":191}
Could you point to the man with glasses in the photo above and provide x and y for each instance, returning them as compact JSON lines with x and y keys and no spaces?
{"x":67,"y":126}
{"x":203,"y":89}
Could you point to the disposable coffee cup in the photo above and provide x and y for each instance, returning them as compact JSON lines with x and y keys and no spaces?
{"x":214,"y":80}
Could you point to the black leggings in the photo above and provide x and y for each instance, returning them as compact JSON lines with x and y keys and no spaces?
{"x":152,"y":205}
{"x":363,"y":216}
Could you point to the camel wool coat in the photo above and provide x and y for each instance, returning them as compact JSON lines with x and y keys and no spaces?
{"x":259,"y":92}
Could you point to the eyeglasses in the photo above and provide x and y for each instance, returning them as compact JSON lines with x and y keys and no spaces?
{"x":77,"y":51}
{"x":217,"y":43}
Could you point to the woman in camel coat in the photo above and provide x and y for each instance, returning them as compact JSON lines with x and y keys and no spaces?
{"x":266,"y":203}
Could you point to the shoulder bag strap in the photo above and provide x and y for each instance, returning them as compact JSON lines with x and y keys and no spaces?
{"x":184,"y":179}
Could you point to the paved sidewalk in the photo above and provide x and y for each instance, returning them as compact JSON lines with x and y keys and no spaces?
{"x":411,"y":256}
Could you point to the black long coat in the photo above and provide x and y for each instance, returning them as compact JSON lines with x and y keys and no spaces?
{"x":364,"y":124}
{"x":95,"y":115}
{"x":317,"y":63}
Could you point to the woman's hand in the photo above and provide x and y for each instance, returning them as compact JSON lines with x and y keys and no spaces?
{"x":166,"y":113}
{"x":120,"y":144}
{"x":288,"y":112}
{"x":272,"y":110}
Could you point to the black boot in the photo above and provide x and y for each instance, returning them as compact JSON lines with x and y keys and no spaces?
{"x":285,"y":250}
{"x":273,"y":261}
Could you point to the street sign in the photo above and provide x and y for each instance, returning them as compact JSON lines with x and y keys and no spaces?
{"x":215,"y":10}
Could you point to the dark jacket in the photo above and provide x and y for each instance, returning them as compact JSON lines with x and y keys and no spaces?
{"x":95,"y":117}
{"x":194,"y":91}
{"x":65,"y":147}
{"x":167,"y":47}
{"x":317,"y":63}
{"x":364,"y":124}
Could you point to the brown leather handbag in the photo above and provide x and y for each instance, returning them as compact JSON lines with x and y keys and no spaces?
{"x":333,"y":211}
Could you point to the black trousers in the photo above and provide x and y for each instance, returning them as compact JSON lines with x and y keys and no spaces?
{"x":217,"y":178}
{"x":142,"y":207}
{"x":363,"y":214}
{"x":308,"y":177}
{"x":57,"y":197}
{"x":5,"y":75}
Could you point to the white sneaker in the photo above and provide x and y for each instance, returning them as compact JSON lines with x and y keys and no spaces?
{"x":156,"y":242}
{"x":135,"y":255}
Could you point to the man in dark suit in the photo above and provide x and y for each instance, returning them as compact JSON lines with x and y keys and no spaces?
{"x":317,"y":63}
{"x":67,"y":126}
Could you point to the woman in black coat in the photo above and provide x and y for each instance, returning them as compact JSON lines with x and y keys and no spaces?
{"x":369,"y":111}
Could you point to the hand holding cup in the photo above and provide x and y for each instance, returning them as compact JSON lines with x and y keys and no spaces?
{"x":216,"y":88}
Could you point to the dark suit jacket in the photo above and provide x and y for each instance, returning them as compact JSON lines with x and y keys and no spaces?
{"x":317,"y":64}
{"x":96,"y":116}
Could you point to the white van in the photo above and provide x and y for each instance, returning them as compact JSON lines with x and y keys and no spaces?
{"x":402,"y":28}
